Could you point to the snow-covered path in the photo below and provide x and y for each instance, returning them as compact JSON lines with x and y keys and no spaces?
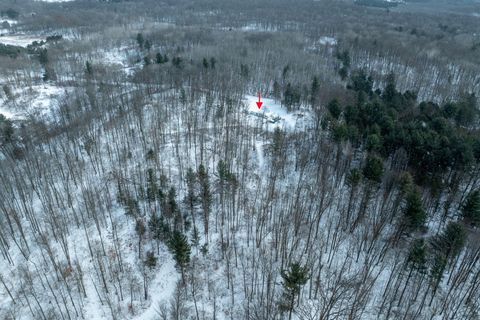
{"x":259,"y":150}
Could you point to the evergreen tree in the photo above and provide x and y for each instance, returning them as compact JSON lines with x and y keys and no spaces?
{"x":140,"y":40}
{"x":353,"y":181}
{"x":43,"y":57}
{"x":147,"y":45}
{"x":417,"y":256}
{"x":205,"y":63}
{"x":152,"y":187}
{"x":314,"y":90}
{"x":374,"y":142}
{"x":244,"y":71}
{"x":334,"y":108}
{"x":180,"y":248}
{"x":354,"y":177}
{"x":147,"y":61}
{"x":205,"y":195}
{"x":6,"y":130}
{"x":277,"y":94}
{"x":373,"y":169}
{"x":213,"y":62}
{"x":414,"y":216}
{"x":277,"y":142}
{"x":140,"y":229}
{"x":159,"y":58}
{"x":291,"y":96}
{"x":360,"y":82}
{"x":191,"y":197}
{"x":471,"y":208}
{"x":131,"y":206}
{"x":177,"y":62}
{"x":158,"y":229}
{"x":293,"y":280}
{"x":339,"y":131}
{"x":171,"y":204}
{"x":390,"y":90}
{"x":89,"y":69}
{"x":451,"y":241}
{"x":343,"y":73}
{"x":151,"y":260}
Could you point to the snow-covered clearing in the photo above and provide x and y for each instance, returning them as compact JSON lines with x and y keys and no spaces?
{"x":21,"y":40}
{"x":36,"y":100}
{"x":331,"y":41}
{"x":275,"y":115}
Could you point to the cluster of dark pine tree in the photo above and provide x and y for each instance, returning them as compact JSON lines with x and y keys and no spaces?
{"x":435,"y":138}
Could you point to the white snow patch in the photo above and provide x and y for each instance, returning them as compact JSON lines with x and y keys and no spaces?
{"x":39,"y":100}
{"x":8,"y":114}
{"x":258,"y":27}
{"x":259,"y":149}
{"x":273,"y":113}
{"x":21,"y":40}
{"x":327,"y":41}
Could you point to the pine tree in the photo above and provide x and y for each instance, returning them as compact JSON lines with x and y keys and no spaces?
{"x":451,"y":241}
{"x":159,"y":58}
{"x":213,"y":62}
{"x":334,"y":108}
{"x":151,"y":260}
{"x":140,"y":229}
{"x":205,"y":195}
{"x":205,"y":63}
{"x":373,"y":169}
{"x":88,"y":68}
{"x":417,"y":256}
{"x":43,"y":57}
{"x":471,"y":208}
{"x":447,"y":246}
{"x":314,"y":90}
{"x":152,"y":187}
{"x":140,"y":40}
{"x":147,"y":45}
{"x":180,"y":248}
{"x":158,"y":229}
{"x":147,"y":61}
{"x":414,"y":215}
{"x":291,"y":96}
{"x":390,"y":91}
{"x":191,"y":198}
{"x":293,"y":280}
{"x":276,"y":91}
{"x":416,"y":261}
{"x":353,"y":180}
{"x":171,"y":204}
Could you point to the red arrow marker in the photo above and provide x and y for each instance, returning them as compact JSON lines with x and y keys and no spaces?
{"x":259,"y":103}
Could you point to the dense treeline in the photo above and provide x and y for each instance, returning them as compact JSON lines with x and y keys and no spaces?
{"x":436,"y":139}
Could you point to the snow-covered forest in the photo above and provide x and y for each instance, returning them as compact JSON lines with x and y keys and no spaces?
{"x":141,"y":181}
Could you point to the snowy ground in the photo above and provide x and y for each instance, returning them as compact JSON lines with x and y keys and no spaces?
{"x":276,"y":115}
{"x":21,"y":40}
{"x":37,"y":100}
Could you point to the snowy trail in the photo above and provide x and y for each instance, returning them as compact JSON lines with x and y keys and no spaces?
{"x":260,"y":158}
{"x":162,"y":289}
